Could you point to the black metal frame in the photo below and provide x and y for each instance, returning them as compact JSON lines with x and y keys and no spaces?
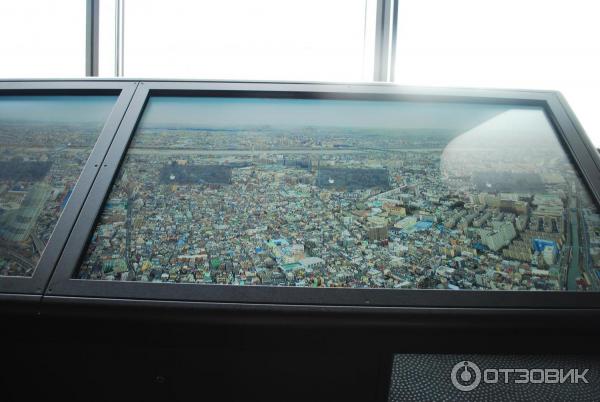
{"x":36,"y":284}
{"x":71,"y":234}
{"x":63,"y":286}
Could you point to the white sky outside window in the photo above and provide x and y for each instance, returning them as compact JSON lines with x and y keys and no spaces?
{"x":523,"y":44}
{"x":327,"y":40}
{"x":42,"y":39}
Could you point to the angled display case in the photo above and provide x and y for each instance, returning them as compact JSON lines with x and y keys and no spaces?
{"x":340,"y":197}
{"x":53,"y":138}
{"x":300,"y":240}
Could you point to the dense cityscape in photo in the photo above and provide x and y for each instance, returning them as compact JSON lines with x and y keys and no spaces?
{"x":306,"y":193}
{"x":45,"y":142}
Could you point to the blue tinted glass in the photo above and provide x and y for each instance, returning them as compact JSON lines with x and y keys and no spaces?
{"x":44,"y":143}
{"x":340,"y":193}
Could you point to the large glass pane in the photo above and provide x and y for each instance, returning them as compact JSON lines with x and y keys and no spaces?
{"x":44,"y":143}
{"x":534,"y":44}
{"x":263,"y":39}
{"x":42,"y":38}
{"x":344,"y":193}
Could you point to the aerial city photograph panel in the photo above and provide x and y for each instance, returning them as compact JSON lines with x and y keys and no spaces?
{"x":44,"y":144}
{"x":346,"y":193}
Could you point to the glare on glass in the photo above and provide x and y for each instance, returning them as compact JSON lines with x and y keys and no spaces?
{"x":44,"y":143}
{"x":465,"y":43}
{"x":345,"y":193}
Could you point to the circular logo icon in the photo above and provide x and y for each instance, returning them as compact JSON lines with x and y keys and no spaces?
{"x":465,"y":376}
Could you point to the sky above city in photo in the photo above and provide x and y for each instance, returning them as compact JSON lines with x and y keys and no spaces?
{"x":179,"y":112}
{"x":56,"y":109}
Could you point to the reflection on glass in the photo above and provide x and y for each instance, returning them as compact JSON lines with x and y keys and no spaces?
{"x":333,"y":193}
{"x":44,"y":143}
